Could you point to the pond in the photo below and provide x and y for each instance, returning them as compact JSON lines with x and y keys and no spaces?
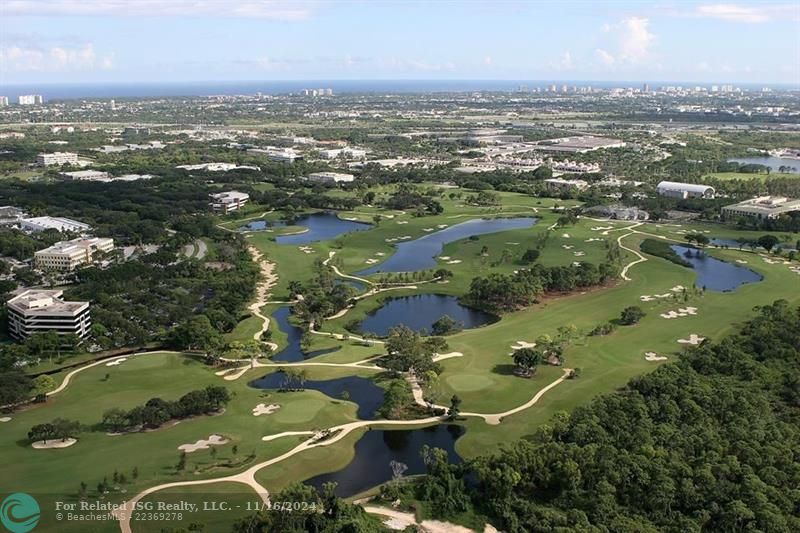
{"x":321,"y":227}
{"x":421,"y":253}
{"x":375,"y":451}
{"x":715,"y":274}
{"x":361,"y":391}
{"x":419,"y":312}
{"x":769,"y":161}
{"x":261,"y":225}
{"x":293,"y":353}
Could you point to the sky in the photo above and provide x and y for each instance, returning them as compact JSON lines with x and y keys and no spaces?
{"x":85,"y":41}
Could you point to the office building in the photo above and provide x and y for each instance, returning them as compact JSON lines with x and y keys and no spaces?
{"x":3,"y":101}
{"x":67,"y":255}
{"x":762,"y":208}
{"x":558,"y":184}
{"x":227,"y":202}
{"x":57,"y":158}
{"x":30,"y":99}
{"x":673,"y":189}
{"x":346,"y":152}
{"x":39,"y":310}
{"x":57,"y":223}
{"x":10,"y":215}
{"x":84,"y":175}
{"x":330,"y":177}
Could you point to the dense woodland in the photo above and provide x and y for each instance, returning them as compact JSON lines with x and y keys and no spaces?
{"x":708,"y":443}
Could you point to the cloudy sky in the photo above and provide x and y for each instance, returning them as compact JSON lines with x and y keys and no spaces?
{"x":189,"y":40}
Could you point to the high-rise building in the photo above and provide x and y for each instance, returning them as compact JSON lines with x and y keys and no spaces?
{"x":3,"y":101}
{"x":30,"y":99}
{"x":646,"y":88}
{"x":57,"y":158}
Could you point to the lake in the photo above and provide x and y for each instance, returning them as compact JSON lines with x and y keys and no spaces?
{"x":769,"y":161}
{"x":321,"y":227}
{"x":421,"y":253}
{"x":293,"y":353}
{"x":419,"y":312}
{"x":715,"y":274}
{"x":375,"y":451}
{"x":261,"y":225}
{"x":361,"y":391}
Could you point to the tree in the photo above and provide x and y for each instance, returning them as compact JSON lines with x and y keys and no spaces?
{"x":43,"y":384}
{"x":444,"y":325}
{"x":530,"y":256}
{"x":42,"y":432}
{"x":631,"y":315}
{"x":526,"y":361}
{"x":65,"y":429}
{"x":115,"y":420}
{"x":768,"y":242}
{"x":196,"y":333}
{"x":455,"y":407}
{"x":181,"y":466}
{"x":406,"y":350}
{"x":15,"y":386}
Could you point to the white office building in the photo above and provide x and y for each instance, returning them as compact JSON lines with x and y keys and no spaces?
{"x":10,"y":215}
{"x":330,"y":177}
{"x":67,"y":255}
{"x":57,"y":158}
{"x":30,"y":99}
{"x":762,"y":208}
{"x":84,"y":175}
{"x":227,"y":202}
{"x":3,"y":101}
{"x":673,"y":189}
{"x":558,"y":184}
{"x":218,"y":167}
{"x":57,"y":223}
{"x":38,"y":310}
{"x":346,"y":152}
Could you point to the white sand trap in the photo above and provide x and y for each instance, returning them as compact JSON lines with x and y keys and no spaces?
{"x":262,"y":409}
{"x":567,"y":246}
{"x":371,"y":261}
{"x":678,"y":288}
{"x":646,"y":298}
{"x":600,"y":228}
{"x":454,"y":262}
{"x":566,"y":235}
{"x":5,"y":419}
{"x":117,"y":362}
{"x":405,"y":237}
{"x":693,"y":339}
{"x":513,"y":243}
{"x":578,"y":253}
{"x":444,"y":257}
{"x":285,"y":434}
{"x":402,"y":221}
{"x":741,"y":261}
{"x":380,"y":254}
{"x":203,"y":444}
{"x":442,"y":356}
{"x":593,"y":239}
{"x":653,"y":356}
{"x":427,"y":229}
{"x":389,"y":240}
{"x":53,"y":444}
{"x":665,"y":295}
{"x":683,"y":311}
{"x":574,"y":263}
{"x":440,"y":226}
{"x":522,"y":344}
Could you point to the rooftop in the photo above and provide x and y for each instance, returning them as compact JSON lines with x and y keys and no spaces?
{"x":46,"y":300}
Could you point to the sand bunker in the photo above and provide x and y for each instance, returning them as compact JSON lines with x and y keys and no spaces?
{"x":522,"y":344}
{"x":653,"y":356}
{"x":741,"y":261}
{"x":593,"y":239}
{"x":444,"y":257}
{"x":440,"y":226}
{"x":693,"y":339}
{"x":578,"y":253}
{"x":53,"y":444}
{"x":600,"y":228}
{"x":427,"y":229}
{"x":203,"y":444}
{"x":513,"y":243}
{"x":402,"y":221}
{"x":683,"y":311}
{"x":454,"y":261}
{"x":263,"y":409}
{"x":442,"y":356}
{"x":371,"y":261}
{"x":567,"y":246}
{"x":306,"y":249}
{"x":117,"y":362}
{"x":5,"y":419}
{"x":566,"y":235}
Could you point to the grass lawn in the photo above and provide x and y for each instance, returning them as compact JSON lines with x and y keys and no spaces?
{"x":748,"y":176}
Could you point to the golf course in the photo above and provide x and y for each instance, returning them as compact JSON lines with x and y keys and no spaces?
{"x":266,"y":437}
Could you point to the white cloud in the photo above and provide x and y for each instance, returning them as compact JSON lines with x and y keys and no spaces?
{"x":734,"y":13}
{"x":629,"y":43}
{"x":56,"y":58}
{"x":564,"y":62}
{"x":266,"y":9}
{"x":487,"y":61}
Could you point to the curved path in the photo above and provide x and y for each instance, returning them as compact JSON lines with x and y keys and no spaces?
{"x":269,"y":279}
{"x":641,"y":258}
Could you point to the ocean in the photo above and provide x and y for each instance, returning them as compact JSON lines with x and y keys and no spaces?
{"x":207,"y":88}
